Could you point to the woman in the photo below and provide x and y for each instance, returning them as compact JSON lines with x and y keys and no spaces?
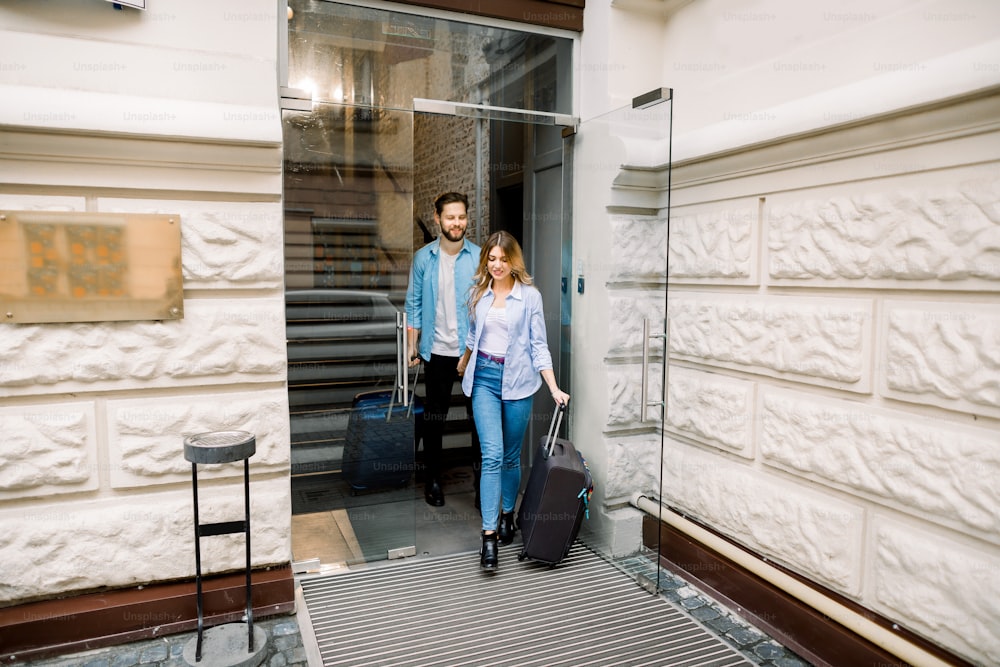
{"x":507,"y":340}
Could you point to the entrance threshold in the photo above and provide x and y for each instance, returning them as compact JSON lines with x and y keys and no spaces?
{"x":446,"y":611}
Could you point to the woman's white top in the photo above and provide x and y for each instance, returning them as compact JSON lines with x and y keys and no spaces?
{"x":495,"y":336}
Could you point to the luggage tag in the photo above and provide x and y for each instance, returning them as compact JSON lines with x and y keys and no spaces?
{"x":587,"y":491}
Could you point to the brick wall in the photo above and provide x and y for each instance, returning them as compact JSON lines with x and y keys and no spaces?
{"x":444,"y":159}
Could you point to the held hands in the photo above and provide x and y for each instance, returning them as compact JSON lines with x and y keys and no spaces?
{"x":463,"y":362}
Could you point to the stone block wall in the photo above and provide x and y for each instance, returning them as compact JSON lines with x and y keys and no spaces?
{"x":833,"y":390}
{"x":94,"y":490}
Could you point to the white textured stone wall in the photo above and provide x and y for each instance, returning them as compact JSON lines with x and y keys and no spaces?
{"x":946,"y":235}
{"x":833,"y":388}
{"x":833,"y":380}
{"x":94,"y":488}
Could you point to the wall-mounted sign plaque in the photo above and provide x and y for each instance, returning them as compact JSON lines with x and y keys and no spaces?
{"x":89,"y":267}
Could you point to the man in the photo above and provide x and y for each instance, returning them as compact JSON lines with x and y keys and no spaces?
{"x":438,"y":316}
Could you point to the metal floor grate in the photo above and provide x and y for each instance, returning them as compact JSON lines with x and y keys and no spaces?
{"x":448,"y":612}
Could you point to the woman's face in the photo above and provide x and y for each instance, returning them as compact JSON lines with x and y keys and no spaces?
{"x":497,"y":264}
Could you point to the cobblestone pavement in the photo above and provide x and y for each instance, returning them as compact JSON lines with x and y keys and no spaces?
{"x":284,"y":649}
{"x":751,"y":642}
{"x":755,"y":645}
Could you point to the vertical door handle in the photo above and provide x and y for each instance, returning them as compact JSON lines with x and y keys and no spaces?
{"x":404,"y":367}
{"x":402,"y":375}
{"x":644,"y":389}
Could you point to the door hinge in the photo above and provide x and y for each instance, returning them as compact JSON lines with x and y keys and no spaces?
{"x":402,"y":552}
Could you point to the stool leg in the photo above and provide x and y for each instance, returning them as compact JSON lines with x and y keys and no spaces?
{"x":197,"y":560}
{"x":246,"y":525}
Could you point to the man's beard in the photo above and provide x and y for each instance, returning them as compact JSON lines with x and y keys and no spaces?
{"x":454,"y":234}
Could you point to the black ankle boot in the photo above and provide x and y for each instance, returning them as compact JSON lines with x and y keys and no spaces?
{"x":506,"y":530}
{"x":433,"y":493}
{"x":488,"y":554}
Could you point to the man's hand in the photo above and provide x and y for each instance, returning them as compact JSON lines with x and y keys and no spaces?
{"x":412,"y":337}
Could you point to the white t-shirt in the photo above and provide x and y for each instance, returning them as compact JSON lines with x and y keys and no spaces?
{"x":495,"y":335}
{"x":446,"y":315}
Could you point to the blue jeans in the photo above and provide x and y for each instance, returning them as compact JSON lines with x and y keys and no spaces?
{"x":501,"y":426}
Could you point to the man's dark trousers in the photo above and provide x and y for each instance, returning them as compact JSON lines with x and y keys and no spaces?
{"x":440,"y":375}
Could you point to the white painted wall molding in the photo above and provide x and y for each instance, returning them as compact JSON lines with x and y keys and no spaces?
{"x":842,"y":153}
{"x":898,"y":91}
{"x":831,"y":153}
{"x":95,"y":163}
{"x":101,"y":112}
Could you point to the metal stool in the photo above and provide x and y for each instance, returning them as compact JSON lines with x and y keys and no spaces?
{"x":221,"y":447}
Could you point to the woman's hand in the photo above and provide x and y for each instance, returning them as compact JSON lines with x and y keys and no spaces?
{"x":463,"y":362}
{"x":560,"y":397}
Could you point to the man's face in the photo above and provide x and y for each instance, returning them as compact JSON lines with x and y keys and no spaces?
{"x":454,"y":220}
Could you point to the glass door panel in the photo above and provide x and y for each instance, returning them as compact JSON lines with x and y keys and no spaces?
{"x":358,"y":205}
{"x":627,"y":152}
{"x":348,"y":246}
{"x":507,"y":163}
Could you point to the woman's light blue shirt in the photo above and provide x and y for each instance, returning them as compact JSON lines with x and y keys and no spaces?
{"x":527,"y":346}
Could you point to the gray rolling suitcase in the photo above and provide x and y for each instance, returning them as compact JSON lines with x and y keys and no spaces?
{"x":556,"y":498}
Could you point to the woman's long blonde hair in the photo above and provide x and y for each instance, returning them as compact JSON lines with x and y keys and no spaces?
{"x":482,"y":279}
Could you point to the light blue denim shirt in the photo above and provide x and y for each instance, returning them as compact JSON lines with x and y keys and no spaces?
{"x":422,"y":292}
{"x":527,"y":347}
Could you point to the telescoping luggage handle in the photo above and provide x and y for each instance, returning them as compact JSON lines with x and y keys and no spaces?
{"x":413,"y":395}
{"x":550,"y":439}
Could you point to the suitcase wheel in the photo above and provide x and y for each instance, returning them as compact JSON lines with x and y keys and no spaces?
{"x":521,"y":556}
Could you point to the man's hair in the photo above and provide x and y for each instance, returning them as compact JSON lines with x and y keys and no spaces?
{"x":450,"y":198}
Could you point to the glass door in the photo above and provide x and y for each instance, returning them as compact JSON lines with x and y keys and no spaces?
{"x":362,"y":169}
{"x":522,"y":186}
{"x":627,"y":153}
{"x":348,"y":193}
{"x":359,"y":187}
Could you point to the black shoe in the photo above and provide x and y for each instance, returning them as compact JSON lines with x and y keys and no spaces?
{"x":433,"y":494}
{"x":506,"y":530}
{"x":488,"y":554}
